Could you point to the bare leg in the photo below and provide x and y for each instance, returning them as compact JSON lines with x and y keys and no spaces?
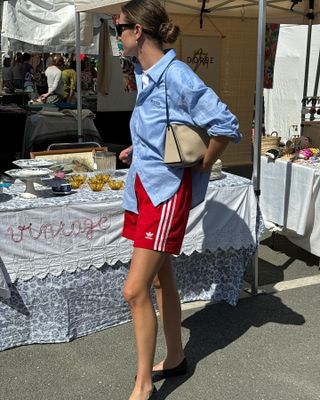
{"x":145,"y":264}
{"x":170,"y":311}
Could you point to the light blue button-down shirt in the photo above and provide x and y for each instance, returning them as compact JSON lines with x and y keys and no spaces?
{"x":190,"y":102}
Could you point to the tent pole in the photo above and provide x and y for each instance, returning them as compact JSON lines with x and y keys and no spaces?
{"x":306,"y":74}
{"x":78,"y":67}
{"x":310,"y":16}
{"x":316,"y":82}
{"x":258,"y":122}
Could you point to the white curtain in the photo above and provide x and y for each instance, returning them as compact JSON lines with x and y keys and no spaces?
{"x":283,"y":101}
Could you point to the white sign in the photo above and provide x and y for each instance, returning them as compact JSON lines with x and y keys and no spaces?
{"x":202,"y":54}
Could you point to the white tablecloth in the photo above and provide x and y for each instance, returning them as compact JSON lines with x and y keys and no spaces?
{"x":290,"y":201}
{"x":50,"y":234}
{"x":65,"y":260}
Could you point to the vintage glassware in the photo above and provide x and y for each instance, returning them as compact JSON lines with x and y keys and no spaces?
{"x":105,"y":160}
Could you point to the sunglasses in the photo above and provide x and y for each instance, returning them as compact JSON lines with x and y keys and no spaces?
{"x":121,"y":27}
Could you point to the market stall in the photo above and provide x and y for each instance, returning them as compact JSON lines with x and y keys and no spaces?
{"x":49,"y":27}
{"x":65,"y":262}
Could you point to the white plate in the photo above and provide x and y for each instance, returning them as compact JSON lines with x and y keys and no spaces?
{"x":28,"y":172}
{"x":33,"y":163}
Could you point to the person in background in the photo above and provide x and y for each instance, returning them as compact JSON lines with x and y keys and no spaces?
{"x":53,"y":74}
{"x":94,"y":72}
{"x":7,"y":75}
{"x":17,"y":71}
{"x":49,"y":60}
{"x":40,"y":79}
{"x":86,"y":75}
{"x":157,"y":198}
{"x":27,"y":73}
{"x":69,"y":76}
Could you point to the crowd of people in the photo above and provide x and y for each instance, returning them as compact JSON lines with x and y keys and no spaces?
{"x":49,"y":78}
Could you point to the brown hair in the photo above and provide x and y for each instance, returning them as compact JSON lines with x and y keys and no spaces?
{"x":7,"y":62}
{"x":153,"y":18}
{"x":57,"y":60}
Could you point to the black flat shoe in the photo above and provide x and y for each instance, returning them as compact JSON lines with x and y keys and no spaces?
{"x":180,"y":369}
{"x":153,"y":395}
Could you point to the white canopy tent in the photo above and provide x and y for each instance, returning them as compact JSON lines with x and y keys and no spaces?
{"x":278,"y":10}
{"x":47,"y":25}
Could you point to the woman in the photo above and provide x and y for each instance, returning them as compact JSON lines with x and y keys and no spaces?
{"x":40,"y":79}
{"x":17,"y":71}
{"x":27,"y":73}
{"x":7,"y":76}
{"x":158,"y":198}
{"x":53,"y":74}
{"x":69,"y":76}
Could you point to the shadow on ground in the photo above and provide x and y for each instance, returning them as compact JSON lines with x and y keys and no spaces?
{"x":217,"y":325}
{"x":280,"y":260}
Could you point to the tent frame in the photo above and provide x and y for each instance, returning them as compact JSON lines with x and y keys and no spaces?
{"x":262,"y":12}
{"x":258,"y":125}
{"x":78,"y":68}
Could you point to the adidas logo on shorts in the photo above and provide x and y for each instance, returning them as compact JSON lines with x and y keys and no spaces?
{"x":149,"y":235}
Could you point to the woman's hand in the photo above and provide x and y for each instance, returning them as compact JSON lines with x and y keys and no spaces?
{"x":43,"y":96}
{"x":202,"y":167}
{"x":216,"y":147}
{"x":126,"y":155}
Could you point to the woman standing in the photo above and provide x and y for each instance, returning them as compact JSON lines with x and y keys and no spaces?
{"x":69,"y":76}
{"x":7,"y":75}
{"x":158,"y":198}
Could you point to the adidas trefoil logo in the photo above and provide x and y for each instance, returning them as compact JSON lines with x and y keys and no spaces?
{"x":149,"y":235}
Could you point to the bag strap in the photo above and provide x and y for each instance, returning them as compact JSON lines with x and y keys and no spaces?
{"x":165,"y":90}
{"x":167,"y":114}
{"x":167,"y":107}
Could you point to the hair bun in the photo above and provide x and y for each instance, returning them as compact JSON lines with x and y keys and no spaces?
{"x":169,"y":32}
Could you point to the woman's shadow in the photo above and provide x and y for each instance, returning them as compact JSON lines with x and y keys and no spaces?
{"x":218,"y":325}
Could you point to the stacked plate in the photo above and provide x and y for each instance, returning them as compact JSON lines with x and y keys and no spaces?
{"x":27,"y":173}
{"x":33,"y":163}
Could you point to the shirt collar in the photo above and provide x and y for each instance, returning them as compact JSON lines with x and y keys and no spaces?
{"x":158,"y":69}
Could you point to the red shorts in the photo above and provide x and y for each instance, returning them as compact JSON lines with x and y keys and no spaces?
{"x":160,"y":228}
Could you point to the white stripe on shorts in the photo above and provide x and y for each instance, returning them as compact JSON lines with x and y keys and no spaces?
{"x":165,"y":224}
{"x":170,"y":221}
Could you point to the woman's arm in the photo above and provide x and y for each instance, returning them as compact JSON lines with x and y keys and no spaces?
{"x":216,"y":147}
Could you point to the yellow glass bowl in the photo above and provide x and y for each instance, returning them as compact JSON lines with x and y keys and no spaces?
{"x":96,"y":186}
{"x":103,"y":177}
{"x":79,"y":177}
{"x":74,"y":184}
{"x":115,"y":184}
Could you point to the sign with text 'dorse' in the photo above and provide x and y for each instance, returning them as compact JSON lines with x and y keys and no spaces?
{"x":202,"y":54}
